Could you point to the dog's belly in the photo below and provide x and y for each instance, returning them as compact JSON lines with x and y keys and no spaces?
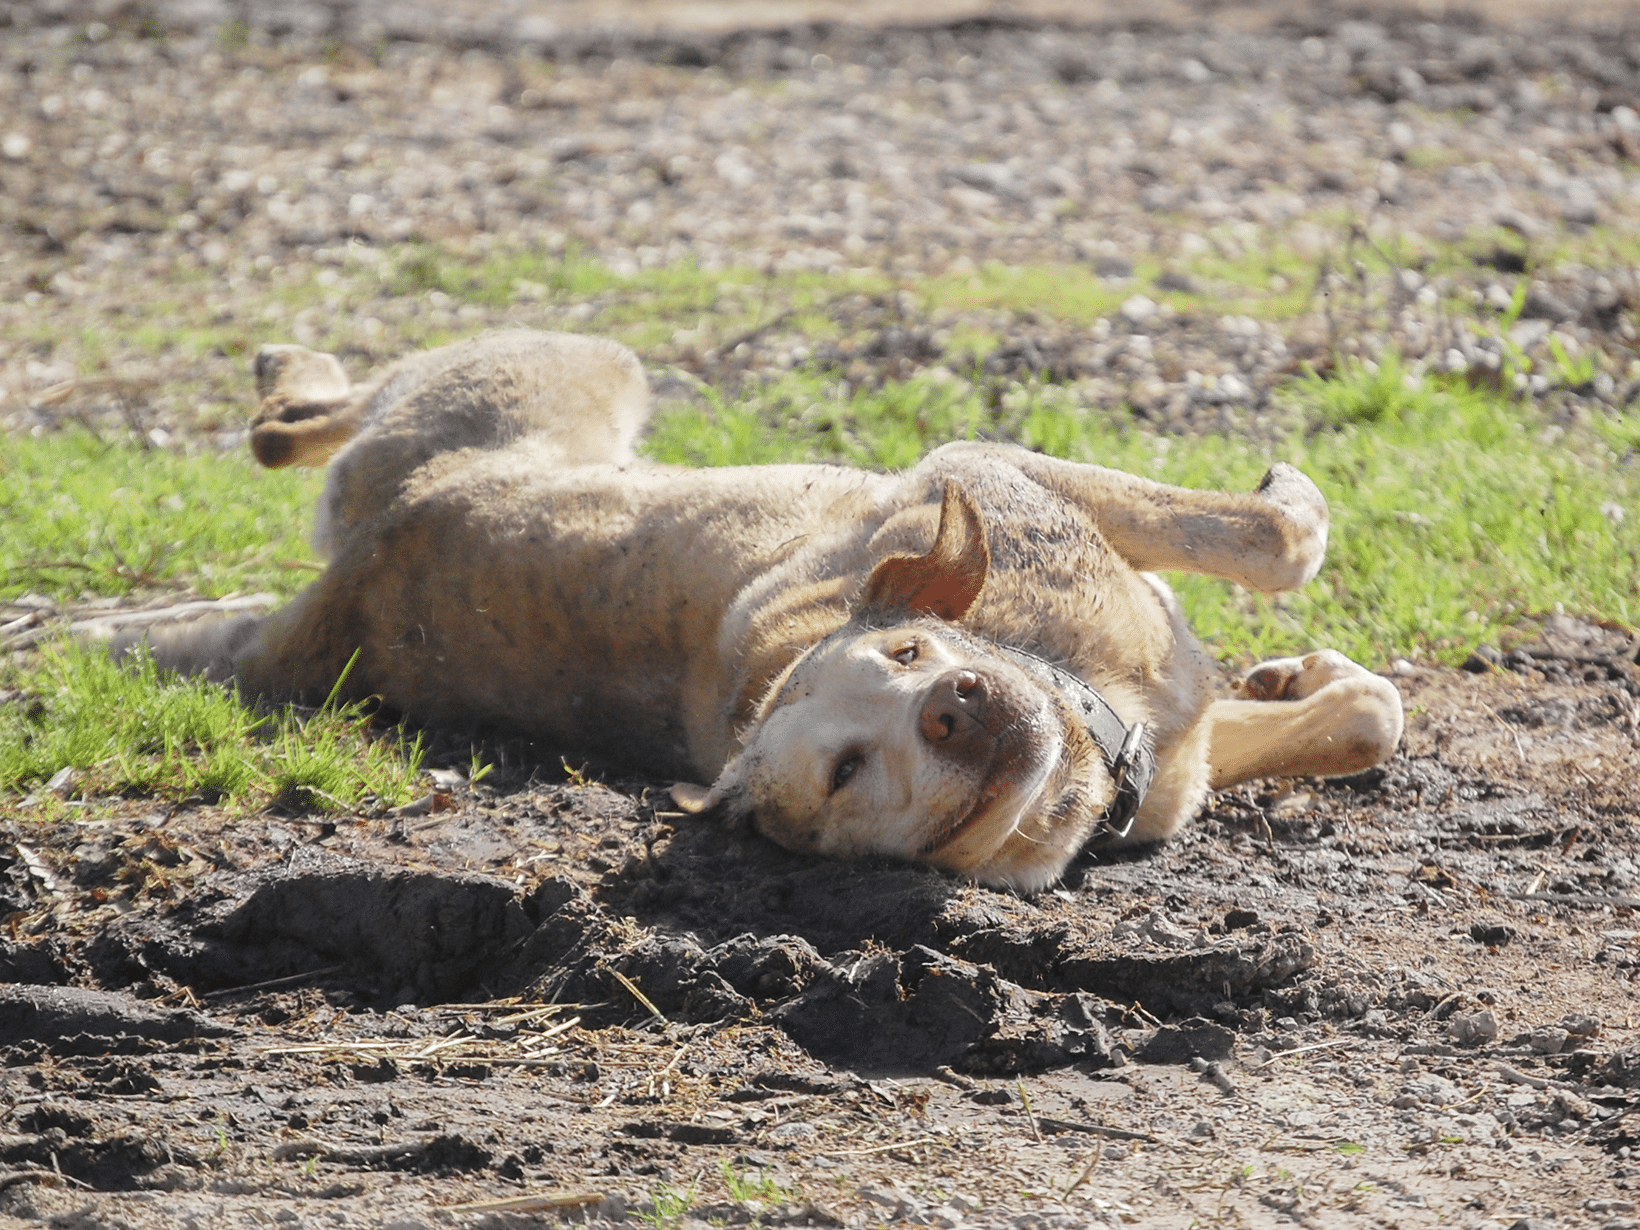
{"x":580,"y":607}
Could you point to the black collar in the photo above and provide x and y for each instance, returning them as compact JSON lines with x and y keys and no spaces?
{"x":1126,"y":749}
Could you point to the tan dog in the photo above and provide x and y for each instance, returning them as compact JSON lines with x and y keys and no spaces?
{"x":860,"y":663}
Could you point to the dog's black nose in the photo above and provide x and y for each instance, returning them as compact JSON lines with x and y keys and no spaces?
{"x":953,"y":711}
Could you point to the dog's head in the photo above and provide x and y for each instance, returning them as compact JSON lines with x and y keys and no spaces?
{"x":902,"y":735}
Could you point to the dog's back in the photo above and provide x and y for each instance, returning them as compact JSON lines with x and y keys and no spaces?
{"x":581,"y":400}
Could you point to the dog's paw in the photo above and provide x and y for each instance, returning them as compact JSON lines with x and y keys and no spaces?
{"x":298,"y":374}
{"x":1296,"y":678}
{"x":1301,"y":521}
{"x":1290,"y":489}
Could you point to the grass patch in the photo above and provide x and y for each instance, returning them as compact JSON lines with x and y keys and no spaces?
{"x":745,"y":1185}
{"x":1449,"y":521}
{"x":81,"y":516}
{"x":1070,"y":293}
{"x":642,"y":307}
{"x":132,"y":730}
{"x":667,"y":1205}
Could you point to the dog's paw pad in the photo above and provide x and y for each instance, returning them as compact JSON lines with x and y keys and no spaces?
{"x":1270,"y":680}
{"x":1296,"y":678}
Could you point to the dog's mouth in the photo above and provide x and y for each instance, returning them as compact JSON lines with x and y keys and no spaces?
{"x":1026,"y":750}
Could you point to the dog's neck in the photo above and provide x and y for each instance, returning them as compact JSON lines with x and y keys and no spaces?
{"x":1127,"y":751}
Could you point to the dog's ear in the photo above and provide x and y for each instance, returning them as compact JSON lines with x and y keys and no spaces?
{"x":946,"y":581}
{"x":722,"y":803}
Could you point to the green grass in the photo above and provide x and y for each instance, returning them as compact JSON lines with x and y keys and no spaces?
{"x":642,"y":309}
{"x":78,"y":515}
{"x":668,"y":1204}
{"x":82,"y":518}
{"x":745,"y":1185}
{"x":132,"y":731}
{"x":1450,"y":522}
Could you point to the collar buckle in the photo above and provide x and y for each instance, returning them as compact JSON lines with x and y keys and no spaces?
{"x":1130,"y":786}
{"x":1128,"y":755}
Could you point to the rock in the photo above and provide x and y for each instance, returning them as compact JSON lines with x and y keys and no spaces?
{"x":1491,"y":932}
{"x":993,"y":177}
{"x":1473,"y":1028}
{"x":1580,"y":1025}
{"x":1179,"y":1044}
{"x":1482,"y":659}
{"x":1139,"y":309}
{"x":1428,"y":1090}
{"x":1156,"y":928}
{"x":895,"y":1204}
{"x":1547,"y":1040}
{"x":1622,"y":1069}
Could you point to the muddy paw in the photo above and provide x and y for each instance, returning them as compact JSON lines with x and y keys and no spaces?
{"x":1289,"y":488}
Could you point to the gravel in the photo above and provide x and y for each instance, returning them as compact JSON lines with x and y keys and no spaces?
{"x":267,"y":177}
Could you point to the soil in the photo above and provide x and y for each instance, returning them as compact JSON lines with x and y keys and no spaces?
{"x":1401,"y":999}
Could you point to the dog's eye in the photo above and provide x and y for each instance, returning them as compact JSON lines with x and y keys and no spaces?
{"x":846,"y":768}
{"x":905,"y":655}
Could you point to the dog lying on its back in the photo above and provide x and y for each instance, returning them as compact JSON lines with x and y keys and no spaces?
{"x":968,"y":664}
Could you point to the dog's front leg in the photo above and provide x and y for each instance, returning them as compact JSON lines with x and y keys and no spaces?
{"x":1271,"y":539}
{"x":1321,"y":715}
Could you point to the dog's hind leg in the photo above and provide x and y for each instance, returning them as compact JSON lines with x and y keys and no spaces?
{"x":308,"y":407}
{"x":1321,"y":715}
{"x":297,"y":653}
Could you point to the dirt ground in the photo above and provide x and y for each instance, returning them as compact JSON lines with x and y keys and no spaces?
{"x":1404,"y":999}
